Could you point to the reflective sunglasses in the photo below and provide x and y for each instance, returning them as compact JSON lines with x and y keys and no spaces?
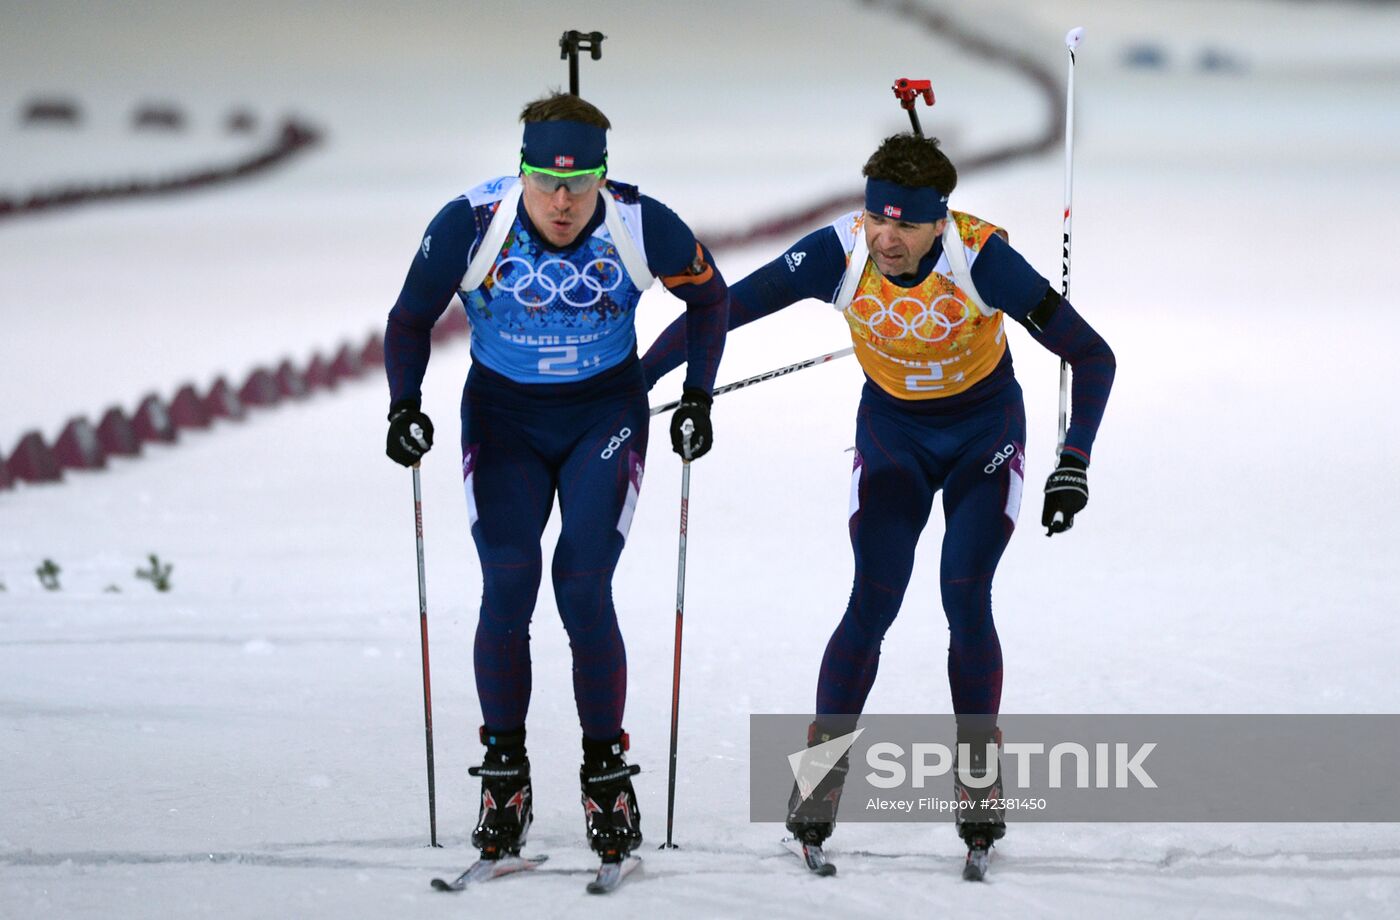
{"x":574,"y":181}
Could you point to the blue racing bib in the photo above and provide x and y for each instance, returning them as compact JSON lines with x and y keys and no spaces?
{"x":543,"y":316}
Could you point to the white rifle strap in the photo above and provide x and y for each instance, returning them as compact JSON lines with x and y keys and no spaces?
{"x":635,"y":262}
{"x":855,"y":267}
{"x":495,"y":238}
{"x":957,"y":261}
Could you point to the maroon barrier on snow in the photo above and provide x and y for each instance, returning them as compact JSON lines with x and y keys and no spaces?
{"x":34,"y":461}
{"x":6,"y":480}
{"x":116,"y":434}
{"x":373,"y":353}
{"x":260,"y":389}
{"x":222,"y":402}
{"x":152,"y":421}
{"x":187,"y":410}
{"x":165,"y":116}
{"x":51,"y":110}
{"x":290,"y":381}
{"x":241,"y":121}
{"x":318,"y":375}
{"x":346,"y":364}
{"x":294,"y":136}
{"x":453,"y":323}
{"x":78,"y":447}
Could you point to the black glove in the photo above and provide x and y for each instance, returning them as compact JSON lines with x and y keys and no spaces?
{"x":1066,"y":494}
{"x":410,"y":432}
{"x":694,"y":408}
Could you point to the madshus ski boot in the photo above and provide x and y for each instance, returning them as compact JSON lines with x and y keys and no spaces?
{"x":507,"y":810}
{"x":980,"y":822}
{"x":816,"y":794}
{"x":610,"y":813}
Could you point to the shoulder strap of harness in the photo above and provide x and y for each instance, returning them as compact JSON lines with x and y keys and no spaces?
{"x":855,"y":267}
{"x":632,"y":259}
{"x":492,"y":240}
{"x":957,"y":261}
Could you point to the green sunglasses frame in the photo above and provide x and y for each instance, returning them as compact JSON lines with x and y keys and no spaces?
{"x":598,"y":171}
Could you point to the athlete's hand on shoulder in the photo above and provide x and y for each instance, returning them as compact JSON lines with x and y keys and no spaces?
{"x":1066,"y":494}
{"x":694,"y":408}
{"x":410,"y":432}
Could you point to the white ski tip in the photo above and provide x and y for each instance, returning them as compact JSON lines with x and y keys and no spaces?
{"x":1074,"y":36}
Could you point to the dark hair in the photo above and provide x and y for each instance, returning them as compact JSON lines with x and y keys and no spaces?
{"x":907,"y":159}
{"x":559,"y":106}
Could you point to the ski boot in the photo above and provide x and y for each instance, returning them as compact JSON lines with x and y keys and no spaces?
{"x":817,"y":791}
{"x":507,"y":806}
{"x":816,"y":795}
{"x":980,"y":822}
{"x":611,"y":818}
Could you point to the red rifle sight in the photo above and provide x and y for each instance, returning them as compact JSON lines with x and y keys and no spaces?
{"x":908,"y":91}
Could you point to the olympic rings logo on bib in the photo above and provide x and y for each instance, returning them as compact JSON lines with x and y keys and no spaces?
{"x":925,"y":322}
{"x":540,"y":286}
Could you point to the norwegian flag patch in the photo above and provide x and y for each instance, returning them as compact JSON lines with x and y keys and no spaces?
{"x":563,"y":162}
{"x":892,"y":211}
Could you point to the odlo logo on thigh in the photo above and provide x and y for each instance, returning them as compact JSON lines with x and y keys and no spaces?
{"x":615,"y":442}
{"x":1000,"y":457}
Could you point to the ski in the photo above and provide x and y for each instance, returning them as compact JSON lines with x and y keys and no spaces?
{"x":483,"y":870}
{"x":811,"y":855}
{"x":611,"y":874}
{"x":979,"y":860}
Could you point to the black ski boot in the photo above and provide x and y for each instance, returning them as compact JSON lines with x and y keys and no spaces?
{"x":980,"y":822}
{"x":817,"y":791}
{"x":610,"y":814}
{"x":507,"y":806}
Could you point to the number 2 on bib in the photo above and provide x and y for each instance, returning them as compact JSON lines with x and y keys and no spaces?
{"x":928,"y":379}
{"x":561,"y":357}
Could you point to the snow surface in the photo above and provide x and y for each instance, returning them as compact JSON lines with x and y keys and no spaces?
{"x":251,"y":744}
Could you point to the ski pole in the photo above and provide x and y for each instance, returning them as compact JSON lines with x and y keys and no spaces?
{"x":423,"y":633}
{"x":571,"y":43}
{"x":1072,"y":40}
{"x":759,"y":378}
{"x":908,"y":91}
{"x":686,"y":428}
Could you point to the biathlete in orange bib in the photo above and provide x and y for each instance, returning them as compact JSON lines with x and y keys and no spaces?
{"x":926,"y":292}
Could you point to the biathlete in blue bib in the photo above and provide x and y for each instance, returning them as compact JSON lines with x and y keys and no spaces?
{"x":925,"y":292}
{"x":550,"y":265}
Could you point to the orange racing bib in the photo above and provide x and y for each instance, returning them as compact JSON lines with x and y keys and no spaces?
{"x":927,"y":341}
